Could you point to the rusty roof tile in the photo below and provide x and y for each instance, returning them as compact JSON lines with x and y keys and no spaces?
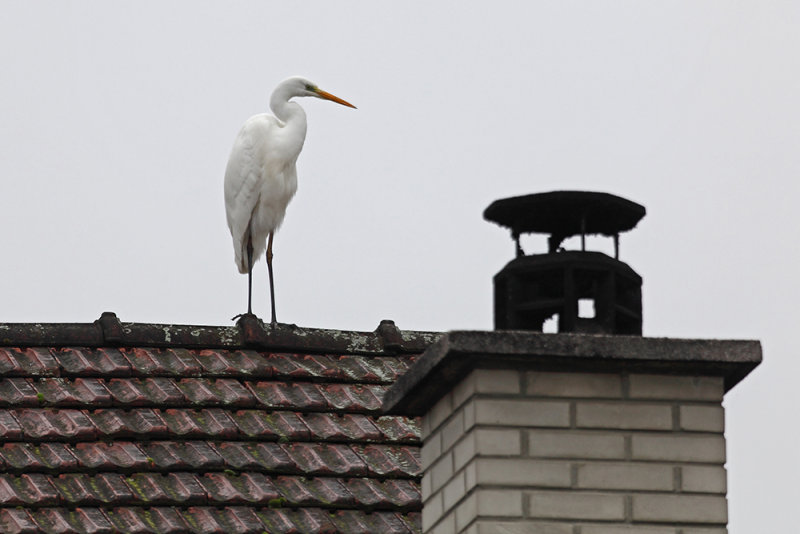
{"x":202,"y":520}
{"x":353,"y":398}
{"x":130,"y":392}
{"x":314,"y":491}
{"x":341,"y":428}
{"x":247,"y":488}
{"x":275,"y":426}
{"x":340,"y":368}
{"x":142,"y":362}
{"x":179,"y":361}
{"x":184,"y":455}
{"x":54,"y":521}
{"x":383,"y":369}
{"x":162,"y":520}
{"x":221,"y":391}
{"x":298,"y":365}
{"x":100,"y":456}
{"x":27,"y":362}
{"x":234,"y":363}
{"x":53,"y":424}
{"x":91,"y":521}
{"x":18,"y":391}
{"x":108,"y":488}
{"x":215,"y":488}
{"x":300,"y":396}
{"x":78,"y":392}
{"x":232,"y":519}
{"x":10,"y":429}
{"x":163,"y":362}
{"x":389,"y":460}
{"x":78,"y":521}
{"x":205,"y":519}
{"x":28,"y":457}
{"x":93,"y":362}
{"x":212,"y":422}
{"x":17,"y":521}
{"x":256,"y":456}
{"x":289,"y":366}
{"x":77,"y":488}
{"x":149,"y":391}
{"x":162,"y":391}
{"x":357,"y":522}
{"x":289,"y":521}
{"x":114,"y":423}
{"x":399,"y":429}
{"x":27,"y":489}
{"x":178,"y":488}
{"x":392,"y":494}
{"x":325,"y":459}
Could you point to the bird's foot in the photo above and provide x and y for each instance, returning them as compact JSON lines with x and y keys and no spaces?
{"x":239,"y":316}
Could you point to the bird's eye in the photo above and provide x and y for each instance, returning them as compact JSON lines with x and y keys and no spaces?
{"x":309,"y":87}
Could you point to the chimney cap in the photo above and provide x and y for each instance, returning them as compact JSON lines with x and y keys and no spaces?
{"x":566,"y":213}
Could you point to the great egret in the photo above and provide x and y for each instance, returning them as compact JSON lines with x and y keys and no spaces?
{"x":261,"y":177}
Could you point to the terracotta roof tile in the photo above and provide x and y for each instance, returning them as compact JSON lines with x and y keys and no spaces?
{"x":56,"y":521}
{"x":27,"y":362}
{"x":50,"y":424}
{"x":18,"y":391}
{"x":27,"y":489}
{"x":299,"y":395}
{"x":172,"y":438}
{"x":392,"y":461}
{"x":325,"y":459}
{"x":256,"y":456}
{"x":115,"y":424}
{"x":102,"y":362}
{"x":384,"y":523}
{"x":10,"y":428}
{"x":29,"y":457}
{"x":295,"y":521}
{"x":228,"y":519}
{"x":17,"y":521}
{"x":234,"y":363}
{"x":102,"y":456}
{"x":154,"y":519}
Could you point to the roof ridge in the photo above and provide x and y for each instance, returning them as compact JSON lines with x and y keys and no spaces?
{"x":249,"y":332}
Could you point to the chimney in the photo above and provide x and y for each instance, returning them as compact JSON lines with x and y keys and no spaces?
{"x":588,"y":292}
{"x":571,"y":433}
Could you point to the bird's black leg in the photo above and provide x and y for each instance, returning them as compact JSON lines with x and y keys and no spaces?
{"x":250,"y":277}
{"x":271,"y":284}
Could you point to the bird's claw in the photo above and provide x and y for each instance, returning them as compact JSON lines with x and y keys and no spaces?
{"x":241,"y":315}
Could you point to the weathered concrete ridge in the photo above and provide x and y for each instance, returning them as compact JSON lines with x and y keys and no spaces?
{"x":447,"y":361}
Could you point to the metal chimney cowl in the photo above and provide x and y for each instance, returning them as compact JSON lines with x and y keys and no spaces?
{"x":589,"y":292}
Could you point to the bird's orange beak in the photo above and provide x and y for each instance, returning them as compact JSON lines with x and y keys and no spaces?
{"x":332,"y":98}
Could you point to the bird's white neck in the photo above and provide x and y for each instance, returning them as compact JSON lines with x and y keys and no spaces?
{"x":291,"y":115}
{"x":283,"y":109}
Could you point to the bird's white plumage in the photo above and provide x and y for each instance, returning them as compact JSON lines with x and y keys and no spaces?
{"x":260,"y":180}
{"x":261,"y":176}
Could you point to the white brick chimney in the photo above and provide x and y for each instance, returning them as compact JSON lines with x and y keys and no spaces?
{"x":573,"y":434}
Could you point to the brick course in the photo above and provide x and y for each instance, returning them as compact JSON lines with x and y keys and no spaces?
{"x":544,"y":452}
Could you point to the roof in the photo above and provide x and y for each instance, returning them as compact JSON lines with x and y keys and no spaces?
{"x":112,"y":426}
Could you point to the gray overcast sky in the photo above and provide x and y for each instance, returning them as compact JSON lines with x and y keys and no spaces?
{"x":117,"y":120}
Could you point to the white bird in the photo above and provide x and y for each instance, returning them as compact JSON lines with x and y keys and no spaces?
{"x":261,"y":177}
